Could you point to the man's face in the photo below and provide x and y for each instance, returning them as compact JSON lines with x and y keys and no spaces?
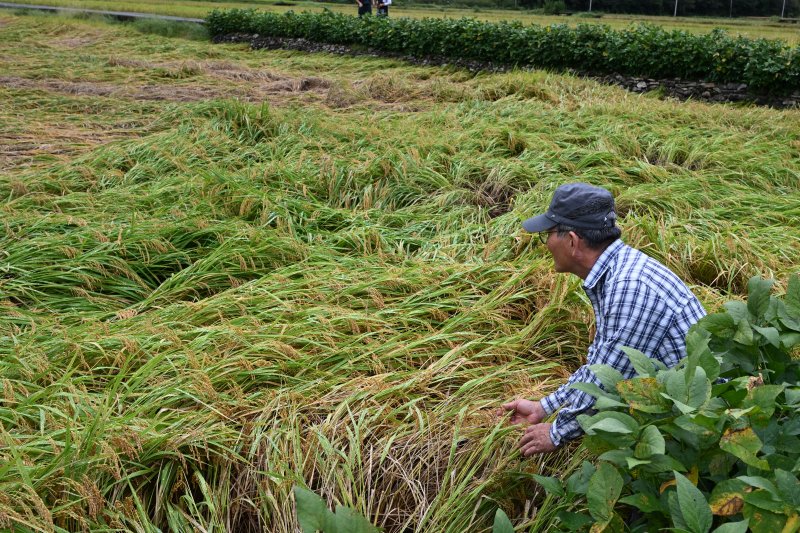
{"x":559,"y":247}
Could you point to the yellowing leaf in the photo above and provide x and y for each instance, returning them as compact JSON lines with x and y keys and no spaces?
{"x":792,"y":524}
{"x":729,"y":506}
{"x":667,"y":484}
{"x":744,"y":444}
{"x":727,"y":499}
{"x":693,"y":475}
{"x":643,"y":394}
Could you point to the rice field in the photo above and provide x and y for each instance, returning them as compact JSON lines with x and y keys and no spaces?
{"x":225,"y":272}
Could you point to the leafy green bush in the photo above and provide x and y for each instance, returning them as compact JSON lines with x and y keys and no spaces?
{"x":643,"y":50}
{"x":712,"y":442}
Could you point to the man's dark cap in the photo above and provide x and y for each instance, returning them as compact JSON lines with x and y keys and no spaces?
{"x":579,"y":205}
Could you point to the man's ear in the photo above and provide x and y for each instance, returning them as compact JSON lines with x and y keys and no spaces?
{"x":574,"y":240}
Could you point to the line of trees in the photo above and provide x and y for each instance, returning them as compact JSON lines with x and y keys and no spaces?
{"x":684,"y":8}
{"x":716,"y":8}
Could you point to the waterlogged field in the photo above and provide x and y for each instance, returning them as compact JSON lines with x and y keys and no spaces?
{"x":224,"y":272}
{"x":748,"y":27}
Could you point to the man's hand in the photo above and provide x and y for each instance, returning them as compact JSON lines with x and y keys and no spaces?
{"x":524,"y":411}
{"x":536,"y":440}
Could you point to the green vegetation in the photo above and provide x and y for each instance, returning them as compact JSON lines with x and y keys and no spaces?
{"x":682,"y":447}
{"x":228,"y":272}
{"x":640,"y":51}
{"x":752,"y":28}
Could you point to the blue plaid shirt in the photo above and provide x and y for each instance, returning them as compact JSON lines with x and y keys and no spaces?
{"x":637,"y":302}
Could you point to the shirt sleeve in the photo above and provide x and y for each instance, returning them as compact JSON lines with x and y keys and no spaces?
{"x":575,"y":402}
{"x":632,"y":317}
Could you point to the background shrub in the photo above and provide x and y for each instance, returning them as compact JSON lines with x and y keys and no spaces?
{"x":642,"y":50}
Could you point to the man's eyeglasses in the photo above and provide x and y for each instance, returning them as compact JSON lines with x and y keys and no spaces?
{"x":544,"y":235}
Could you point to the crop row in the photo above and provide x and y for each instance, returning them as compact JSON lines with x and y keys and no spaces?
{"x":641,"y":50}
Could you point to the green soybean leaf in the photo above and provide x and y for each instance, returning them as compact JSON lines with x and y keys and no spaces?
{"x":698,"y":389}
{"x":604,"y":400}
{"x":693,"y":391}
{"x":347,"y":520}
{"x":682,"y":407}
{"x":784,"y":316}
{"x":501,"y":523}
{"x":792,"y":396}
{"x":744,"y":333}
{"x":646,"y":503}
{"x":744,"y":444}
{"x":770,"y":334}
{"x":760,"y":483}
{"x":763,"y":397}
{"x":312,"y":511}
{"x":764,"y":500}
{"x":739,"y":413}
{"x":733,"y":527}
{"x":694,"y":507}
{"x":675,"y":384}
{"x":720,"y":324}
{"x":604,"y":403}
{"x":550,"y":484}
{"x":578,"y":483}
{"x":675,"y":512}
{"x":610,"y":422}
{"x":589,"y":388}
{"x":758,"y":295}
{"x":699,"y":354}
{"x":604,"y":489}
{"x":763,"y":521}
{"x":663,"y":463}
{"x":574,"y":521}
{"x":700,"y":425}
{"x":693,"y":394}
{"x":738,"y":311}
{"x":615,"y":525}
{"x":642,"y":364}
{"x":617,"y":457}
{"x":792,"y":299}
{"x":608,"y":376}
{"x":632,"y":462}
{"x":651,"y":442}
{"x":790,"y":340}
{"x":609,"y":425}
{"x":788,"y":486}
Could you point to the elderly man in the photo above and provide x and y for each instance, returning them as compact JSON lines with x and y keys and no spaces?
{"x":637,"y":302}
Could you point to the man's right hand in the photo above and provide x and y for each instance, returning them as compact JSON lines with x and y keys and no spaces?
{"x":524,"y":411}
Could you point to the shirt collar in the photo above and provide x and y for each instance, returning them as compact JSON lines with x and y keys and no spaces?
{"x":602,"y":264}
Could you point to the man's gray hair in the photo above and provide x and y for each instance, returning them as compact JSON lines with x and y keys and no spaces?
{"x":596,"y":239}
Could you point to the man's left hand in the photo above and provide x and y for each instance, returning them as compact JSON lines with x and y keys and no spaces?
{"x":536,"y":440}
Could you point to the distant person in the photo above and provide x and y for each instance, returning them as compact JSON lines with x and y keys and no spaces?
{"x":364,"y":7}
{"x":383,"y":7}
{"x":637,"y":302}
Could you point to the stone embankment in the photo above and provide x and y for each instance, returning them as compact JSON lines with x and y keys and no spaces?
{"x":675,"y":88}
{"x":707,"y":91}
